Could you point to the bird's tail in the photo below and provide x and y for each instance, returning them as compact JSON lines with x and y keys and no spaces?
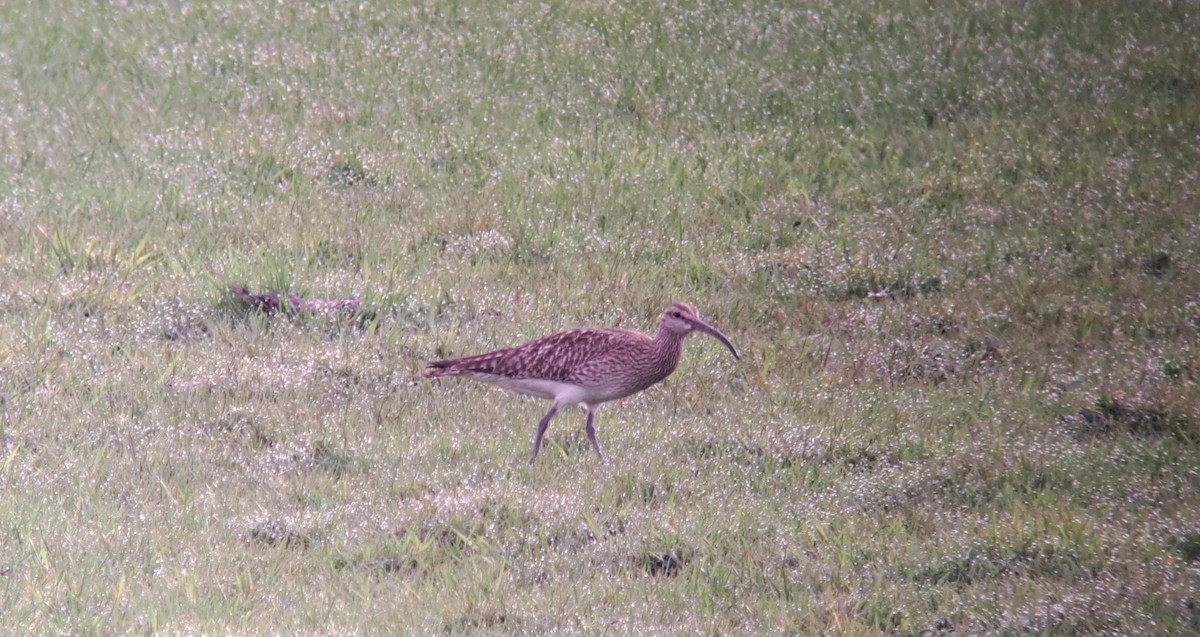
{"x":439,"y":368}
{"x":490,"y":363}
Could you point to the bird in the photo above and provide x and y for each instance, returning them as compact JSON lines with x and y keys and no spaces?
{"x":585,"y":367}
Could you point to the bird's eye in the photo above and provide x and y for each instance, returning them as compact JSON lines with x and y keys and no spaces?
{"x":676,"y":315}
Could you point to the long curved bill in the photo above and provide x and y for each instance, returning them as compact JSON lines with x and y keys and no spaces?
{"x":715,"y":333}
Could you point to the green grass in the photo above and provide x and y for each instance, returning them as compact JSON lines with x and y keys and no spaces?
{"x":956,"y":244}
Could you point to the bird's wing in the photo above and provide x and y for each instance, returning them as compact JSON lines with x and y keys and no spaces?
{"x":557,"y":357}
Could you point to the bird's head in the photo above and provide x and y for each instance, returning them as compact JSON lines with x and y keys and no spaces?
{"x":682,"y":319}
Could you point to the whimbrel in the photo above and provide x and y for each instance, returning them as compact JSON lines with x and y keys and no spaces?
{"x":585,"y":367}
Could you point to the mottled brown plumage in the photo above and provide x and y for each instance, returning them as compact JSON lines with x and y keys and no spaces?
{"x":584,"y":367}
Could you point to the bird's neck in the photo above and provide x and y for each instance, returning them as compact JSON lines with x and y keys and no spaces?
{"x":668,"y":348}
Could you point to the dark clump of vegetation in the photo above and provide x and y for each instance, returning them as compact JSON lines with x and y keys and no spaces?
{"x":1156,"y":264}
{"x":349,"y":171}
{"x":1138,"y":417}
{"x":1189,"y":547}
{"x":665,"y":564}
{"x":279,"y":534}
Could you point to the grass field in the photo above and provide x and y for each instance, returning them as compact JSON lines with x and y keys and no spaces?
{"x":957,"y":244}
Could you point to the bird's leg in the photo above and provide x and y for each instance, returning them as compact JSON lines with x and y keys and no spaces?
{"x":591,"y":432}
{"x":537,"y":441}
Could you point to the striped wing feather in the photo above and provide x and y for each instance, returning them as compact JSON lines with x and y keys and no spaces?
{"x":569,"y":357}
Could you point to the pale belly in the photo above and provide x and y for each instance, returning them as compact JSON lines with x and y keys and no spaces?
{"x":564,"y":394}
